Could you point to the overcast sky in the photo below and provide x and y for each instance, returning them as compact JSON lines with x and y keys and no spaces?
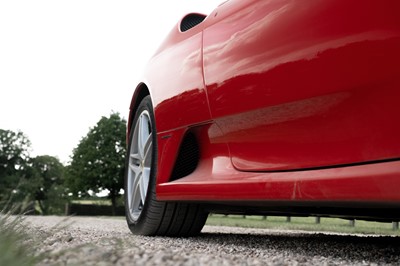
{"x":65,"y":64}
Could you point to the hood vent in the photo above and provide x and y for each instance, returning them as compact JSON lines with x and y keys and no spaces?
{"x":191,"y":21}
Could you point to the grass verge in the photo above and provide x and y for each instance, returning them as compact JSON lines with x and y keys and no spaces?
{"x":303,"y":223}
{"x":12,"y":236}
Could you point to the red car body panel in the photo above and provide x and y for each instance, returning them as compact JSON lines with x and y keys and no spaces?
{"x":371,"y":183}
{"x":288,"y":100}
{"x":292,"y":86}
{"x":175,"y":78}
{"x":215,"y":178}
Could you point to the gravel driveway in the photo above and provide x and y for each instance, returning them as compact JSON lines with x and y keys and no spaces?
{"x":107,"y":241}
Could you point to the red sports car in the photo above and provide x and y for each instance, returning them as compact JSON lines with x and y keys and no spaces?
{"x":275,"y":107}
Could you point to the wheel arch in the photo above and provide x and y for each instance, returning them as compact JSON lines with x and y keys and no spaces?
{"x":141,"y":91}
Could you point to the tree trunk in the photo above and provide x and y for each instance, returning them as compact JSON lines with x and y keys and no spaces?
{"x":113,"y":204}
{"x":42,"y":208}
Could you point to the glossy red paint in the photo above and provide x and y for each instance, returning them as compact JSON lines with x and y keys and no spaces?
{"x":289,"y":101}
{"x":174,"y":77}
{"x":215,"y":178}
{"x":292,"y":86}
{"x":370,"y":183}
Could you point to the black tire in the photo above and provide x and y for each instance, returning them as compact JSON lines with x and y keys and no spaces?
{"x":153,"y":217}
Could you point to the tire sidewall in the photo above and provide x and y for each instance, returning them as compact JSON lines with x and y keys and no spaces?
{"x":145,"y":104}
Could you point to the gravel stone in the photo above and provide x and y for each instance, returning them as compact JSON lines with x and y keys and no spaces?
{"x":108,"y":241}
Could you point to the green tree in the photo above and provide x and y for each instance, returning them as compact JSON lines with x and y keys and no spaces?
{"x":98,"y":160}
{"x":49,"y":191}
{"x":14,"y":168}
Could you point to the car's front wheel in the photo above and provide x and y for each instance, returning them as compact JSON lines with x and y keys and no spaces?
{"x":144,"y":213}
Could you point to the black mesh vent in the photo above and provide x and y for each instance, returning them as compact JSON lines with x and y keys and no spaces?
{"x":188,"y":158}
{"x":191,"y":20}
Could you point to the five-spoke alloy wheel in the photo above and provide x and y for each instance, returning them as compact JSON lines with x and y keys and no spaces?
{"x":140,"y":158}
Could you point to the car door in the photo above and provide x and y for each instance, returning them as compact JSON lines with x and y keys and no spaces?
{"x":303,"y":85}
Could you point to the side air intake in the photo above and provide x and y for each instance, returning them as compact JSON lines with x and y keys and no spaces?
{"x":191,"y":21}
{"x":188,"y":157}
